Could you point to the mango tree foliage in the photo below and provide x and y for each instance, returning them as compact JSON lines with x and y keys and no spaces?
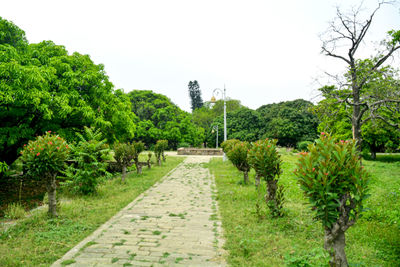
{"x":290,"y":122}
{"x":211,"y":114}
{"x":159,"y":118}
{"x":243,"y":124}
{"x":42,"y":87}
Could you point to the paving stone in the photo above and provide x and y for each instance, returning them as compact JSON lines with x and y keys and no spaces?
{"x":186,"y":235}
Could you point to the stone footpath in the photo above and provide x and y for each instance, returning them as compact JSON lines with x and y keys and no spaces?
{"x":174,"y":223}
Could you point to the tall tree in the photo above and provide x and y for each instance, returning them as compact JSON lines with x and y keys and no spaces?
{"x":343,"y":39}
{"x":195,"y":95}
{"x":43,"y":88}
{"x":290,"y":122}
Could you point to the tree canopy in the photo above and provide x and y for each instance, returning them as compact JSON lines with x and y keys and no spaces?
{"x":290,"y":122}
{"x":159,"y":118}
{"x":195,"y":95}
{"x":43,"y":88}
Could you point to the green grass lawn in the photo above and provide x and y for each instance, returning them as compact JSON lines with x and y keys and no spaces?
{"x":39,"y":241}
{"x":373,"y":241}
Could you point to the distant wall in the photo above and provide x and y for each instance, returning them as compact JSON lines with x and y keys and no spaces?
{"x":200,"y":151}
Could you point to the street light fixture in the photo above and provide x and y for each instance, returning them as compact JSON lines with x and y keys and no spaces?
{"x":218,"y":91}
{"x":215,"y":127}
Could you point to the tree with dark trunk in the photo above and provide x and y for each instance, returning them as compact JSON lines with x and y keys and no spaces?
{"x":44,"y":158}
{"x":238,"y":156}
{"x":195,"y":95}
{"x":343,"y":40}
{"x":265,"y":160}
{"x":335,"y":183}
{"x":139,"y":147}
{"x":123,"y":155}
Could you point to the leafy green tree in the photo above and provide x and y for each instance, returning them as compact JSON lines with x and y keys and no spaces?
{"x":238,"y":155}
{"x":90,"y":154}
{"x":12,"y":35}
{"x":362,"y":89}
{"x":159,"y":149}
{"x":123,"y":155}
{"x":139,"y":148}
{"x":377,"y":135}
{"x":380,"y":137}
{"x":209,"y":115}
{"x":44,"y":88}
{"x":335,"y":183}
{"x":195,"y":95}
{"x":265,"y":160}
{"x":228,"y":145}
{"x":290,"y":122}
{"x":162,"y":119}
{"x":44,"y":158}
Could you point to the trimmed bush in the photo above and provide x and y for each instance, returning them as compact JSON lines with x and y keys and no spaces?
{"x":228,"y":144}
{"x":159,"y":149}
{"x":44,"y":158}
{"x":265,"y":160}
{"x":333,"y":179}
{"x":238,"y":156}
{"x":123,"y":155}
{"x":303,"y":145}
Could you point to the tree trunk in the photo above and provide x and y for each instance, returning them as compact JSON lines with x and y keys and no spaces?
{"x":159,"y":161}
{"x":373,"y":154}
{"x":335,"y":246}
{"x":163,"y":157}
{"x":257,"y":181}
{"x":246,"y":177}
{"x":148,"y":164}
{"x":356,"y":116}
{"x":138,"y":168}
{"x":51,"y":192}
{"x":271,"y":190}
{"x":123,"y":173}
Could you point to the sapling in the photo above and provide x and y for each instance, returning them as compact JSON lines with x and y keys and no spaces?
{"x":123,"y":155}
{"x":333,"y":179}
{"x":159,"y":149}
{"x":228,"y":144}
{"x":138,"y":148}
{"x":90,"y":155}
{"x":265,"y":160}
{"x":44,"y":158}
{"x":238,"y":156}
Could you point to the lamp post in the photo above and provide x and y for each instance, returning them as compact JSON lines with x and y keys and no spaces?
{"x":223,"y":93}
{"x":215,"y":127}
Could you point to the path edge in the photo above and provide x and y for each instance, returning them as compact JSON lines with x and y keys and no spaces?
{"x":73,"y":251}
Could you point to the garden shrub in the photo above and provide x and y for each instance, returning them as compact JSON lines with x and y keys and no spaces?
{"x":303,"y":145}
{"x":123,"y":155}
{"x":333,"y":179}
{"x":159,"y":149}
{"x":90,"y":154}
{"x":238,"y":156}
{"x":44,"y":158}
{"x":265,"y":160}
{"x":138,"y":148}
{"x":227,"y":145}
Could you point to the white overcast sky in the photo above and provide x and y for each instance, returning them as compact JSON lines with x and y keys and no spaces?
{"x":263,"y":51}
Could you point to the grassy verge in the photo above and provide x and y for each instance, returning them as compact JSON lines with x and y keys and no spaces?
{"x":373,"y":241}
{"x":39,"y":241}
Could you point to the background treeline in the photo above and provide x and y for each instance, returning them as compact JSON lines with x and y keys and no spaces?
{"x":290,"y":122}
